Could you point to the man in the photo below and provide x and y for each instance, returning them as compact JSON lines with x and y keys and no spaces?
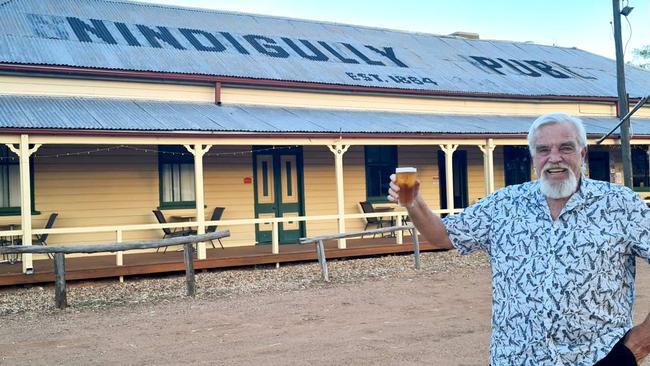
{"x":563,"y":252}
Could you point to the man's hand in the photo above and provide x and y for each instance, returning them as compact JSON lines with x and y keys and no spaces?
{"x":638,"y":340}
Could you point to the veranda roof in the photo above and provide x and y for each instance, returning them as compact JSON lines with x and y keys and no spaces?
{"x":76,"y":113}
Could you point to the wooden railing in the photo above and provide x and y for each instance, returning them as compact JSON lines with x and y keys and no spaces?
{"x":320,"y":247}
{"x":119,"y":230}
{"x":59,"y":252}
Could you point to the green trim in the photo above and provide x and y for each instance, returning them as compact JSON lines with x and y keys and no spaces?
{"x":31,"y":184}
{"x":172,"y":205}
{"x":378,"y":199}
{"x":641,"y":189}
{"x":15,"y":211}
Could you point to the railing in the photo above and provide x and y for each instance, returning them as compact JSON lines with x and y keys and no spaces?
{"x":59,"y":252}
{"x":119,"y":230}
{"x":320,"y":246}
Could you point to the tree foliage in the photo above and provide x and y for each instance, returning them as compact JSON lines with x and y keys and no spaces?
{"x":643,"y":55}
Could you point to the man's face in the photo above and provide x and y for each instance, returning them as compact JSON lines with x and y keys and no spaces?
{"x":558,"y":159}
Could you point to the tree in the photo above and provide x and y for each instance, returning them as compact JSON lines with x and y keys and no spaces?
{"x":643,"y":55}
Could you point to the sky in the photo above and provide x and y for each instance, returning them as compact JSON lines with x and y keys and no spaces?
{"x":585,"y":24}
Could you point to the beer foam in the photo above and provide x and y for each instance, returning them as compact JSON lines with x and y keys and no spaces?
{"x":406,"y":170}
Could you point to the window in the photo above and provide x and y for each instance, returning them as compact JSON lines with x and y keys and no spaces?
{"x":381,"y":162}
{"x":9,"y":181}
{"x":516,"y":164}
{"x":640,"y":168}
{"x":598,"y":165}
{"x":176,"y":170}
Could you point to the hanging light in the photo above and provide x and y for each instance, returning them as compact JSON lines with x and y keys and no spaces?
{"x":626,"y":10}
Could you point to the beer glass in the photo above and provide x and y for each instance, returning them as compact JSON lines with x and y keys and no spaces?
{"x":406,"y":178}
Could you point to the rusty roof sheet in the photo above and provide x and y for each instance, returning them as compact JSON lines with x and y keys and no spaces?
{"x":122,"y":35}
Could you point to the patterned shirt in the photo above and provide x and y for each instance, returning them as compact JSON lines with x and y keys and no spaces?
{"x":562,"y":290}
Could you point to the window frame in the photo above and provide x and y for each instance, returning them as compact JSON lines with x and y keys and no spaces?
{"x":391,"y":165}
{"x":514,"y":153}
{"x":165,"y":157}
{"x":16,"y":210}
{"x":641,"y":150}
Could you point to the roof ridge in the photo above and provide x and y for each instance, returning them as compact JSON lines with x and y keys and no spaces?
{"x":317,"y":21}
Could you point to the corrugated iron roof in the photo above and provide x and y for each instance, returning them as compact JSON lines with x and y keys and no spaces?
{"x":74,"y":113}
{"x":121,"y":35}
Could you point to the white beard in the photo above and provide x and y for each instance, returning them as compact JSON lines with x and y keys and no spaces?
{"x":559,"y":190}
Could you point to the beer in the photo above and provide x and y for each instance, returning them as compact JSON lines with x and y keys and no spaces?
{"x":406,"y":178}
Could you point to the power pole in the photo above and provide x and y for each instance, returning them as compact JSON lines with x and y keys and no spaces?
{"x":622,"y":97}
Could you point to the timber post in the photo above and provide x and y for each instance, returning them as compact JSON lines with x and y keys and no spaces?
{"x":199,"y":150}
{"x":188,"y":257}
{"x":416,"y":247}
{"x":449,"y":149}
{"x":60,"y":292}
{"x":320,"y":251}
{"x":338,"y":150}
{"x":320,"y":246}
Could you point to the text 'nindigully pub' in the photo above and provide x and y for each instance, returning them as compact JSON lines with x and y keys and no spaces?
{"x":125,"y":121}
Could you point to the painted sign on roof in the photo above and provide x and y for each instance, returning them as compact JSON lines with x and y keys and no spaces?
{"x":140,"y":37}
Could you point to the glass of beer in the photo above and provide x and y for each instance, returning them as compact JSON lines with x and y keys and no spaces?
{"x":406,"y":178}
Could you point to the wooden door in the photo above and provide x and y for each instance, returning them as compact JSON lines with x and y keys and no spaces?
{"x":278,"y":184}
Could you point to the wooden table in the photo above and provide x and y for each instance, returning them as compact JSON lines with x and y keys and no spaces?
{"x":182,"y":218}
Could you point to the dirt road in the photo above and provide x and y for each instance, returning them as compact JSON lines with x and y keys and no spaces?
{"x":411,"y":319}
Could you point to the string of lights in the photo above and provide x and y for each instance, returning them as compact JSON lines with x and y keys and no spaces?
{"x":146,"y":150}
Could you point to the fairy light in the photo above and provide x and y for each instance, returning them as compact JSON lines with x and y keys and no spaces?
{"x":146,"y":150}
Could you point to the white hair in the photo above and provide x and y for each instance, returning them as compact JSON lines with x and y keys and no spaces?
{"x":556,"y":118}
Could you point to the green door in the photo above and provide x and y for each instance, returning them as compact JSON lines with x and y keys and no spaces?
{"x":278,"y":184}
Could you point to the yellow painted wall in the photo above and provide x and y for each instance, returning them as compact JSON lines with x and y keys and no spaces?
{"x":120,"y":187}
{"x":408,"y":104}
{"x":23,"y":85}
{"x":320,"y":187}
{"x":223,"y":175}
{"x":51,"y":86}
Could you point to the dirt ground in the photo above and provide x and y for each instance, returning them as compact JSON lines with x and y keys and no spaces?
{"x":433,"y":319}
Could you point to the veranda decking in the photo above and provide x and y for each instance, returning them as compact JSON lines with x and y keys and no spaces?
{"x":104,"y":266}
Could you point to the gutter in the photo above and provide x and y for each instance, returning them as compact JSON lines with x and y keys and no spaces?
{"x":254,"y":135}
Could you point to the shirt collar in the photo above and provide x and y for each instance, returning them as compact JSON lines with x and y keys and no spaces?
{"x":587,"y":191}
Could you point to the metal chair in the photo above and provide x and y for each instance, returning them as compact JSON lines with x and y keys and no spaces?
{"x":41,"y":239}
{"x":167,"y":232}
{"x":216,"y":216}
{"x":366,"y":207}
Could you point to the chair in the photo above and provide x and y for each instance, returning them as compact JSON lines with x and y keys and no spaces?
{"x":216,"y":216}
{"x":41,"y":239}
{"x":366,"y":207}
{"x":168,"y":233}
